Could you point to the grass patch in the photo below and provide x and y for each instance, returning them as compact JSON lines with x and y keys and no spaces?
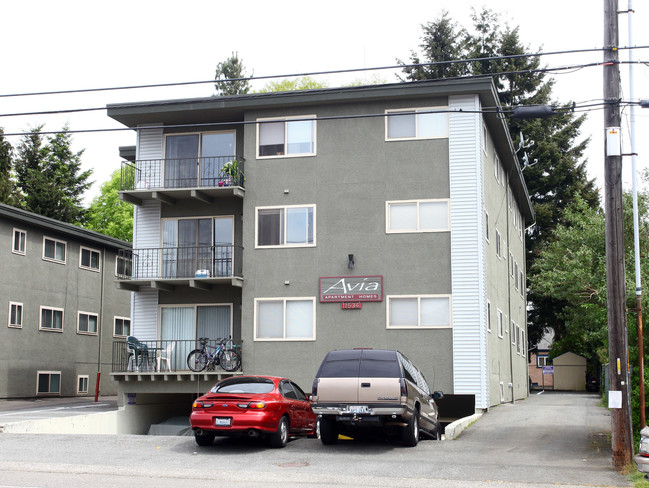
{"x":637,"y":478}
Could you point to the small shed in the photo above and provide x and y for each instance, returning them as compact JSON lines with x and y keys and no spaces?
{"x":569,"y":372}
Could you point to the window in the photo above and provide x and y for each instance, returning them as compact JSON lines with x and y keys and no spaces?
{"x":51,"y":319}
{"x":419,"y":123}
{"x":19,"y":242}
{"x":488,"y":316}
{"x":122,"y":327}
{"x":15,"y":314}
{"x":512,"y":332}
{"x":48,"y":383}
{"x":423,"y":311}
{"x":285,"y":226}
{"x":511,"y":265}
{"x":124,"y":266}
{"x":542,"y":361}
{"x":518,"y":340}
{"x":522,"y":280}
{"x":284,"y":318}
{"x":498,"y":245}
{"x":82,"y":384}
{"x":500,"y":323}
{"x":87,"y":323}
{"x":89,"y":259}
{"x":497,"y":168}
{"x":54,"y":250}
{"x":286,"y":137}
{"x":417,"y":216}
{"x":486,"y":226}
{"x":523,"y":344}
{"x":515,"y":274}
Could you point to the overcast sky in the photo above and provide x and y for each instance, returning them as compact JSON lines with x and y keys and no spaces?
{"x":88,"y":44}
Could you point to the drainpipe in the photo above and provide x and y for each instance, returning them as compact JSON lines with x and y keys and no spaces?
{"x":509,"y":290}
{"x":101,"y":322}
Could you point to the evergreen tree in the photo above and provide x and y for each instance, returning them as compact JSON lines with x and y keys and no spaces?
{"x":231,"y":69}
{"x":559,"y":174}
{"x":7,"y":187}
{"x":49,"y":175}
{"x":110,"y":215}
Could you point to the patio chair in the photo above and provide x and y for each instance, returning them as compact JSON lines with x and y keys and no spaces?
{"x":164,"y":356}
{"x":138,"y":354}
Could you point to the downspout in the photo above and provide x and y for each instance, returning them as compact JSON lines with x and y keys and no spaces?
{"x":509,"y":292}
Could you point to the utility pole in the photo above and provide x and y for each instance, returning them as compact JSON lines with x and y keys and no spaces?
{"x":615,"y":278}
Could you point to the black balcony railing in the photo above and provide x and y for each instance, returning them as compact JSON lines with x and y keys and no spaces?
{"x":198,"y":172}
{"x":159,"y":356}
{"x":217,"y":261}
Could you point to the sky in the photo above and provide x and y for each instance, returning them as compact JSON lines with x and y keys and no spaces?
{"x":69,"y":44}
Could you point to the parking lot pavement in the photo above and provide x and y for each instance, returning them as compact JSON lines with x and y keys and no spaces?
{"x":20,"y":410}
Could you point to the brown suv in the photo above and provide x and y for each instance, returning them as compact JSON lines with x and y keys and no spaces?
{"x":360,"y":389}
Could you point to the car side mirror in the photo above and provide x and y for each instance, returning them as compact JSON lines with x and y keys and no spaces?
{"x":437,"y":395}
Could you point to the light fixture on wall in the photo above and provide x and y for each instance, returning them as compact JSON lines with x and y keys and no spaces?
{"x":350,"y":265}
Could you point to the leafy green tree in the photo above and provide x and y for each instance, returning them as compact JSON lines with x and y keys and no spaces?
{"x":556,"y":174}
{"x":293,"y":84}
{"x":49,"y":176}
{"x":7,"y":187}
{"x":110,"y":215}
{"x":232,"y":70}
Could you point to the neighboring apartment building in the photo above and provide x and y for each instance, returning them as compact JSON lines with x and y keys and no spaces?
{"x":386,"y":216}
{"x":62,"y":308}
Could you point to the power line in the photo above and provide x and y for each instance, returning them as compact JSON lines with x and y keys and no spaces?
{"x":314,"y":73}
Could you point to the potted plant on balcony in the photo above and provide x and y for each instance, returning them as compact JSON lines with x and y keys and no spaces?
{"x":231,"y":172}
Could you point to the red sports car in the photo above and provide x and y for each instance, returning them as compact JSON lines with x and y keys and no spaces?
{"x":257,"y":406}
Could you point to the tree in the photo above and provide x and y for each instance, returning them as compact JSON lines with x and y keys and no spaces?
{"x":292,"y":84}
{"x":110,"y":215}
{"x":7,"y":187}
{"x":559,"y":174}
{"x":50,"y":178}
{"x":231,"y":69}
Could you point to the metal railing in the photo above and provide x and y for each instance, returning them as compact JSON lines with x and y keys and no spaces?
{"x":198,"y":172}
{"x":158,"y":356}
{"x":217,"y":261}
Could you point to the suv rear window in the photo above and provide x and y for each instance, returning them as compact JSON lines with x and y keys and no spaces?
{"x":360,"y":363}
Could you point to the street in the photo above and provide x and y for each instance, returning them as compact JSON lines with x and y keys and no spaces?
{"x":552,"y":439}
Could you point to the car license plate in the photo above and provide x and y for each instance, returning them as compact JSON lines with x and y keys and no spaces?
{"x":222,"y":421}
{"x":358,"y":409}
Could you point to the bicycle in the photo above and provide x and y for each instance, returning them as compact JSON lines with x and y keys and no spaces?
{"x":212,"y":356}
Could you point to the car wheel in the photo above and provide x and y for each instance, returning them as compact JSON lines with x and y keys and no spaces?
{"x":280,"y":437}
{"x":410,"y":433}
{"x":328,"y":431}
{"x":205,"y":439}
{"x":316,"y":431}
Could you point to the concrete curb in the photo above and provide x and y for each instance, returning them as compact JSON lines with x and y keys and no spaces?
{"x":454,"y":429}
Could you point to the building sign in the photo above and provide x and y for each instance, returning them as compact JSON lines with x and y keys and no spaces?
{"x":548,"y":369}
{"x":335,"y":289}
{"x":351,"y":305}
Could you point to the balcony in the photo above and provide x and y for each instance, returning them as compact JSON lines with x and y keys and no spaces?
{"x":169,"y":180}
{"x":167,"y":268}
{"x":163,"y":359}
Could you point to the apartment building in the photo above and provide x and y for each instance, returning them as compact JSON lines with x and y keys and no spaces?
{"x":385,"y":216}
{"x":62,"y":308}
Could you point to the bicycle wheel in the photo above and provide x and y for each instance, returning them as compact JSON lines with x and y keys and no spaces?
{"x":230,"y":360}
{"x":197,"y":360}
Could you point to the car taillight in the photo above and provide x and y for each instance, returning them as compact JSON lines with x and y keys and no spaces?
{"x":314,"y":389}
{"x":252,"y":405}
{"x":200,"y":404}
{"x":404,"y":387}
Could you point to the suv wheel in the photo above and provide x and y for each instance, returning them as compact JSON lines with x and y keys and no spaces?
{"x":410,"y":434}
{"x":328,"y":431}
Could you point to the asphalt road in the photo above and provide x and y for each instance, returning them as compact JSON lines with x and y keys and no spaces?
{"x":548,"y":440}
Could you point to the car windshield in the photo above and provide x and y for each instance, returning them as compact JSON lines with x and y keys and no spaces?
{"x":244,"y":385}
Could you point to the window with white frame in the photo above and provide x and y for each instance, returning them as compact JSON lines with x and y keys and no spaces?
{"x":87,"y":323}
{"x":19,"y":242}
{"x":486,"y":226}
{"x":418,"y":311}
{"x":488,"y":316}
{"x":15,"y":314}
{"x":124,"y":265}
{"x":51,"y":319}
{"x":48,"y":382}
{"x":515,"y":275}
{"x":82,"y":384}
{"x":417,"y":216}
{"x":522,"y":280}
{"x":286,"y":137}
{"x":89,"y":259}
{"x":512,"y":332}
{"x":284,"y":319}
{"x":54,"y":250}
{"x":542,"y":360}
{"x":122,"y":327}
{"x":286,"y":226}
{"x":485,"y":138}
{"x":499,"y":250}
{"x":501,"y":320}
{"x":511,"y":265}
{"x":523,"y":344}
{"x":497,"y":168}
{"x":416,"y":123}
